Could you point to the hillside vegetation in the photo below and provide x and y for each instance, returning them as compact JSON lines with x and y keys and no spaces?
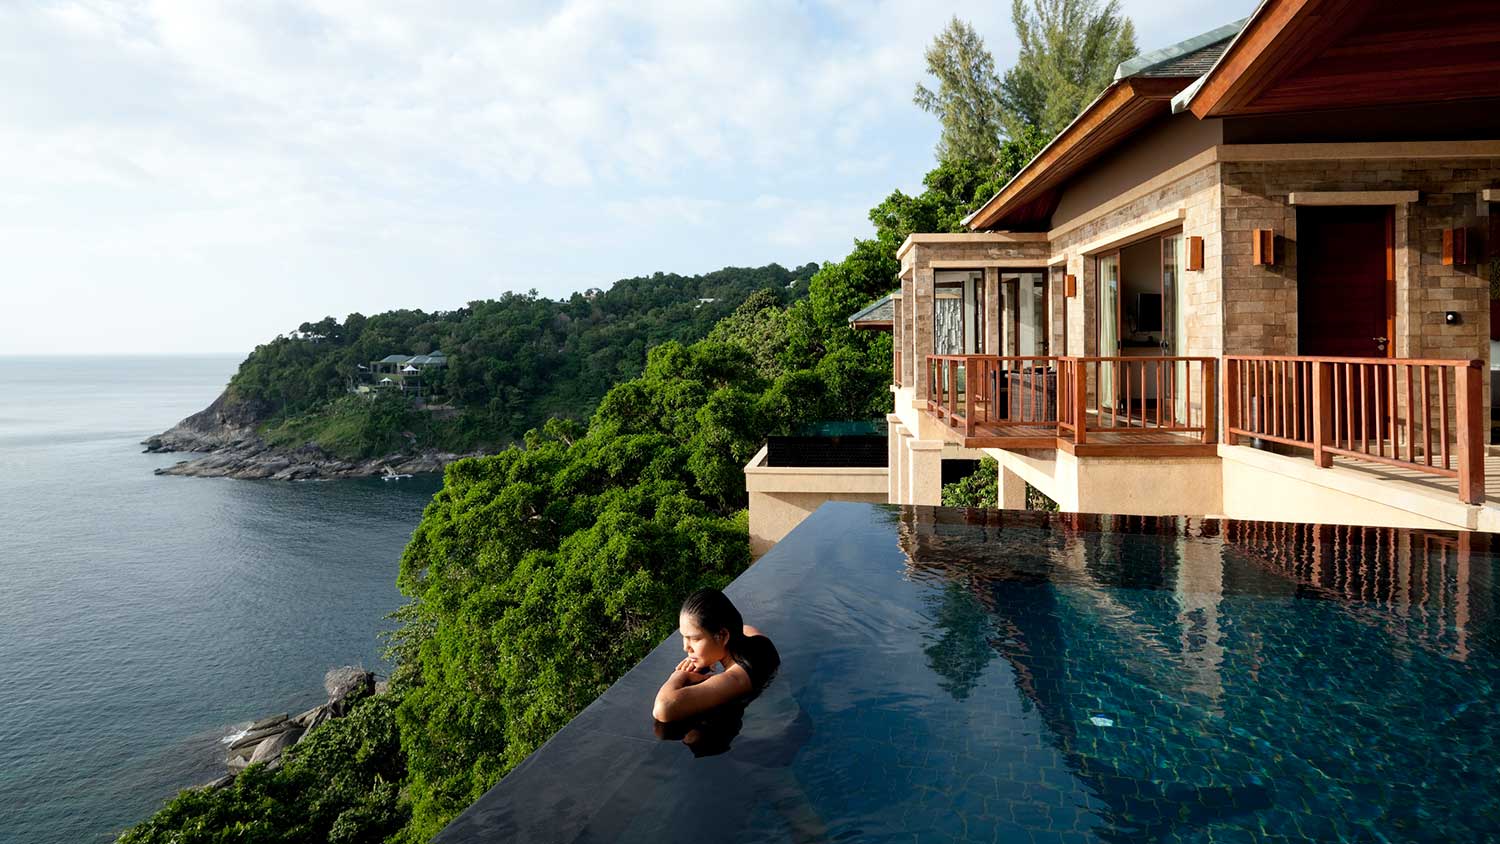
{"x":514,"y":362}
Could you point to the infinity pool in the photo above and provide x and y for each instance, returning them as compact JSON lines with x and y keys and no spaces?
{"x":952,"y":675}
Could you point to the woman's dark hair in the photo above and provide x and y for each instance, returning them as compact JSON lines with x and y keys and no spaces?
{"x":714,"y":611}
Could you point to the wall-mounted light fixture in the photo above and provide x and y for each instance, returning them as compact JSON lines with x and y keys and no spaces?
{"x":1070,"y":285}
{"x":1455,"y":247}
{"x":1263,"y":247}
{"x":1195,"y":253}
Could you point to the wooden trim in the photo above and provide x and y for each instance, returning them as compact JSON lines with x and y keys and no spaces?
{"x":1276,"y":41}
{"x":1353,"y":197}
{"x":1140,"y":231}
{"x":1390,"y":282}
{"x":1122,"y":106}
{"x":1358,"y":150}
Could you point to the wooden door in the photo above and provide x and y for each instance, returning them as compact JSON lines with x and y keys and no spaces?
{"x":1346,"y":295}
{"x":1345,"y":281}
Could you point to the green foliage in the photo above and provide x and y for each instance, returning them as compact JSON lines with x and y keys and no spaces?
{"x":1069,"y":52}
{"x":542,"y":574}
{"x":514,"y":361}
{"x":967,"y":101}
{"x":341,"y":784}
{"x":981,"y":489}
{"x":357,"y":426}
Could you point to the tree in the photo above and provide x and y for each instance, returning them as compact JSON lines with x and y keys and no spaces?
{"x":1069,"y":52}
{"x":967,"y":101}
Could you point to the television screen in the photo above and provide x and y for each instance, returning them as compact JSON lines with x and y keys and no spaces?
{"x":1148,"y":312}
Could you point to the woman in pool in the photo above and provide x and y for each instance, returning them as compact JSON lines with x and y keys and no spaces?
{"x":714,"y":633}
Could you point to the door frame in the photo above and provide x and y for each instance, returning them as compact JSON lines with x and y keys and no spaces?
{"x":1390,"y":279}
{"x":1010,"y":310}
{"x":1114,"y":252}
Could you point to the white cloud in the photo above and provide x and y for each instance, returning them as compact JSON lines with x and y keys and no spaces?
{"x":188,"y":162}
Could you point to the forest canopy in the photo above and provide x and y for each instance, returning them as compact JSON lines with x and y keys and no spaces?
{"x":513,"y":362}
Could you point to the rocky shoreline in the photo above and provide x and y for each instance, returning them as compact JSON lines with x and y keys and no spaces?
{"x":223,"y":437}
{"x":267,"y":739}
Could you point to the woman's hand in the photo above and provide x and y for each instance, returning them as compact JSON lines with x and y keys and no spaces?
{"x":691,"y":674}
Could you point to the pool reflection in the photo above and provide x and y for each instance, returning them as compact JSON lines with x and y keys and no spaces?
{"x":1187,"y":679}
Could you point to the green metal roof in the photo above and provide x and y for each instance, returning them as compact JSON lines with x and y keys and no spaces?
{"x":1193,"y":57}
{"x":881,"y":310}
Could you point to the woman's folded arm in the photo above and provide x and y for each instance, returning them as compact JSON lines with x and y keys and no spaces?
{"x":683,"y":695}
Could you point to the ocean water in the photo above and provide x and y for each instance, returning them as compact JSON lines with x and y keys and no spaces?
{"x":144,"y":618}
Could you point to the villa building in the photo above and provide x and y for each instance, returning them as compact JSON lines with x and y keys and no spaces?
{"x":1251,"y":279}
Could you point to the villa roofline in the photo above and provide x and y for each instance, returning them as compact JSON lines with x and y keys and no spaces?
{"x":1134,"y":98}
{"x":917,"y":238}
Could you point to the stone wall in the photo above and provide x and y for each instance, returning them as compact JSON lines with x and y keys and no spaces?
{"x":984,"y":250}
{"x":1261,"y":313}
{"x":1197,"y":195}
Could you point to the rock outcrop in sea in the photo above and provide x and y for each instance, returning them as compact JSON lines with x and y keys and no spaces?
{"x":267,"y":739}
{"x":223,"y":436}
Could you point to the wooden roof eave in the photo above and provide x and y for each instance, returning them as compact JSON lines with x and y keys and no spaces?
{"x":1126,"y":105}
{"x":1280,"y":37}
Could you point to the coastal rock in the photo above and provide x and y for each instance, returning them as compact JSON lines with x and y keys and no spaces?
{"x":225,"y":422}
{"x":267,"y":738}
{"x":272,"y":747}
{"x":254,"y":460}
{"x":224,"y":439}
{"x":263,"y":723}
{"x":256,"y":736}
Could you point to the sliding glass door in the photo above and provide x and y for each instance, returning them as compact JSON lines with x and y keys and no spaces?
{"x":1109,"y":323}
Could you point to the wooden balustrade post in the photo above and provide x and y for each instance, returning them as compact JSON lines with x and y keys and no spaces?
{"x":1210,"y":401}
{"x":1231,"y":401}
{"x":952,"y":391}
{"x":1080,"y":402}
{"x":1322,"y":396}
{"x":1470,"y":422}
{"x":971,"y":389}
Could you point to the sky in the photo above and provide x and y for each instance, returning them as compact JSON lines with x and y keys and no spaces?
{"x":190,"y":176}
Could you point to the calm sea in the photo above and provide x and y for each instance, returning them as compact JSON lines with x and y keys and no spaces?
{"x":145,"y":617}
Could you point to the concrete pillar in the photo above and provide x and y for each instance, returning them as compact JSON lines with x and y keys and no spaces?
{"x":896,"y":431}
{"x":1012,"y":490}
{"x":925,"y":481}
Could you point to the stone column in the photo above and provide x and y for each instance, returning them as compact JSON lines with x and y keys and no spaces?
{"x":898,"y":338}
{"x":993,"y":312}
{"x":1012,"y":490}
{"x":922,"y":339}
{"x":925,"y":481}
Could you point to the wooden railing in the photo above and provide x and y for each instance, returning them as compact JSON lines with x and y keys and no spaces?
{"x":997,"y":392}
{"x":1117,"y":395}
{"x":1140,"y":395}
{"x":1425,"y":415}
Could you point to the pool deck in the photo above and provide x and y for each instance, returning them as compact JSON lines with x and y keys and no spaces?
{"x":1430,"y":500}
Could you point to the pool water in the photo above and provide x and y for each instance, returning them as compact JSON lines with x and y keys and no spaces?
{"x":952,"y":675}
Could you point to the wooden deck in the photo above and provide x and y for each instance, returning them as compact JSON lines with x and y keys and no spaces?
{"x":1142,"y":443}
